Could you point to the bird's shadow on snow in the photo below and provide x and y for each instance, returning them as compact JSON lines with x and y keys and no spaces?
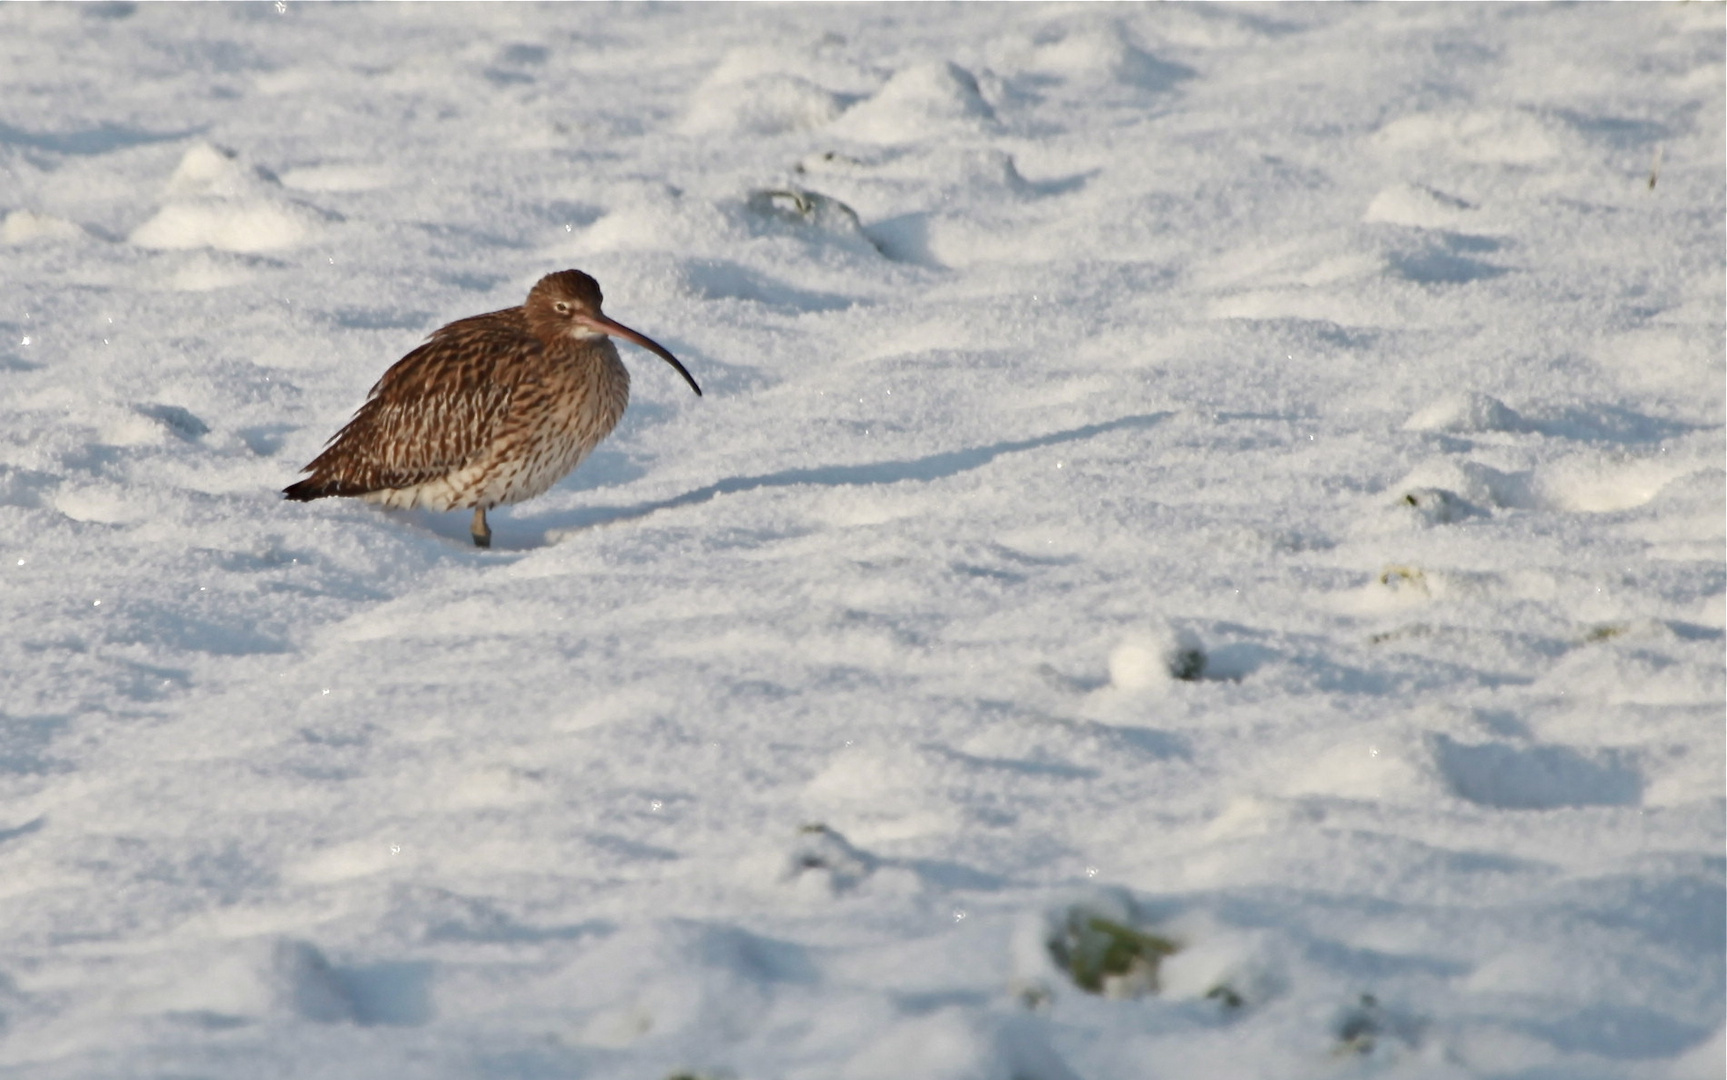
{"x":25,"y":829}
{"x":554,"y":527}
{"x":102,"y":139}
{"x":548,"y":529}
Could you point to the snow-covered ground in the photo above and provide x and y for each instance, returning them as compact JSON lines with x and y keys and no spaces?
{"x":1241,"y":478}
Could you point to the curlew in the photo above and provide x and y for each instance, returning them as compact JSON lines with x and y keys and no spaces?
{"x":492,"y":409}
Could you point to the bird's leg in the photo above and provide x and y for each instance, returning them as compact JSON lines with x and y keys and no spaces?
{"x":482,"y":531}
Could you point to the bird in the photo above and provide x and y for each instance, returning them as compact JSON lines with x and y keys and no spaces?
{"x":491,"y":409}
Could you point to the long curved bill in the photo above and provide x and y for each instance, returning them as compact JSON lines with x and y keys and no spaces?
{"x":618,"y":329}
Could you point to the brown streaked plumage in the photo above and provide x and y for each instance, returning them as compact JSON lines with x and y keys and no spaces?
{"x":492,"y":409}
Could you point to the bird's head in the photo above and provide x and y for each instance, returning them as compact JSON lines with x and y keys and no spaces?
{"x":567,"y":305}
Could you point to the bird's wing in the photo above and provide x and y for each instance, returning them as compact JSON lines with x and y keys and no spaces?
{"x":435,"y":411}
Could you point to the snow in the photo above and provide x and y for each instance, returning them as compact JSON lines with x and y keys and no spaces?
{"x":1245,"y":477}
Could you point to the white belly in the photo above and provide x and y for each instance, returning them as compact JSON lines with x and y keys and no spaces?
{"x":490,"y":483}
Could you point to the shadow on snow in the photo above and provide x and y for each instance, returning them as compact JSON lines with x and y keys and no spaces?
{"x":508,"y":536}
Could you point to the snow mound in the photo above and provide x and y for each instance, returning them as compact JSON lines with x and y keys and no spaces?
{"x":1596,"y":484}
{"x":1445,"y":490}
{"x":1092,"y":56}
{"x":214,"y":202}
{"x":1466,"y":413}
{"x":1481,"y":136}
{"x":1448,"y":489}
{"x":100,"y":503}
{"x":863,"y":774}
{"x":241,"y":227}
{"x":1419,"y":206}
{"x":1390,"y":767}
{"x":1155,"y":660}
{"x":768,"y":105}
{"x":823,"y":856}
{"x":277,"y":978}
{"x":811,"y":214}
{"x":918,"y":102}
{"x":656,"y":216}
{"x":1437,"y":506}
{"x":209,"y":170}
{"x":26,"y":226}
{"x":768,"y":90}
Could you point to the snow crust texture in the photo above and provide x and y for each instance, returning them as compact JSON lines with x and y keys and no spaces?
{"x":1202,"y":554}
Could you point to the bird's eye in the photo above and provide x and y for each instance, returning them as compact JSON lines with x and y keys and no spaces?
{"x":561,"y":308}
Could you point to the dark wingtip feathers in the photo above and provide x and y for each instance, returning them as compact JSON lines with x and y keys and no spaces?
{"x":313,"y":487}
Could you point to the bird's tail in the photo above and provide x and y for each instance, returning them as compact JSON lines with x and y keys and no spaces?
{"x":321,"y":487}
{"x":324,"y":486}
{"x":307,"y":490}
